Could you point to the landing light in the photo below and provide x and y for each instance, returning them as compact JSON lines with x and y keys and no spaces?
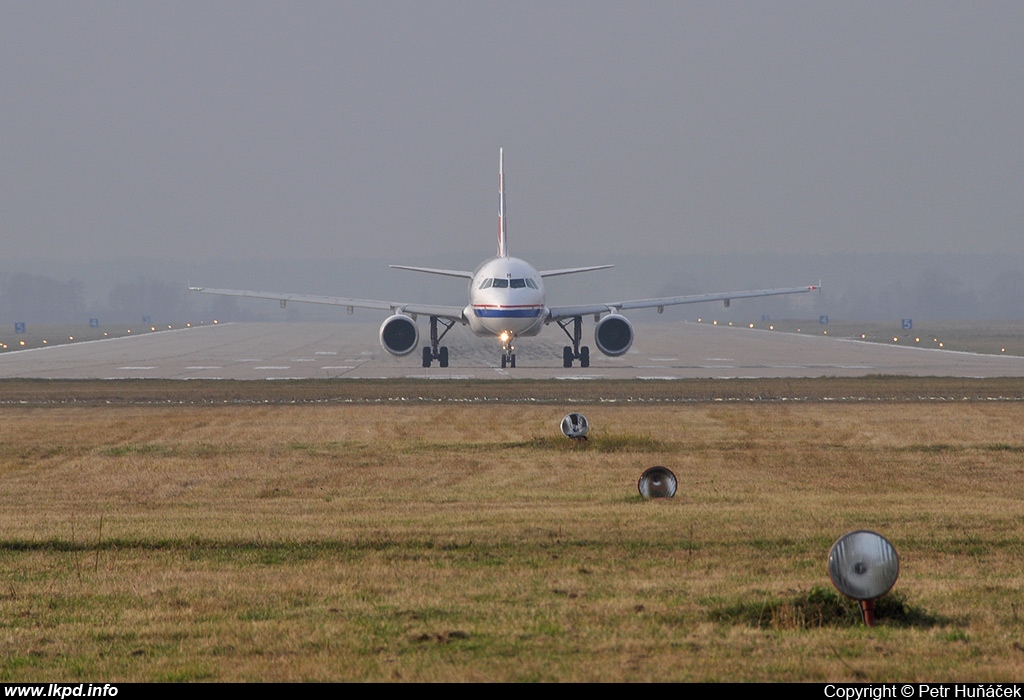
{"x":504,"y":337}
{"x":657,"y":482}
{"x":864,"y":566}
{"x":751,"y":325}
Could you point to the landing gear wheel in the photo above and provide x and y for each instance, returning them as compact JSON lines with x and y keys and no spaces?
{"x":574,"y":351}
{"x":504,"y":361}
{"x":512,"y":360}
{"x":435,"y":352}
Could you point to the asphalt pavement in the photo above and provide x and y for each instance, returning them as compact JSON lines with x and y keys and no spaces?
{"x":662,"y":351}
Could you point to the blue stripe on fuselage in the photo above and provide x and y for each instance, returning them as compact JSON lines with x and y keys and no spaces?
{"x":531,"y":312}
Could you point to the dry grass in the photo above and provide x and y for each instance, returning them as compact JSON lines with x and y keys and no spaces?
{"x":459,"y":541}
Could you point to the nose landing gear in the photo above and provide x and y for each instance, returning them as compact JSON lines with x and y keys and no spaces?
{"x":508,"y":355}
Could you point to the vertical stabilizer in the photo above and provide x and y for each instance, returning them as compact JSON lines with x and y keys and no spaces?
{"x":502,"y":246}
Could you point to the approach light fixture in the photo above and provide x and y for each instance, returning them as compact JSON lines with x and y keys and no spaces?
{"x":864,"y":566}
{"x":657,"y":482}
{"x":575,"y":426}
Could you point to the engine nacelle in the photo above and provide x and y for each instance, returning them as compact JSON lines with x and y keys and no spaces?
{"x":613,"y":335}
{"x":399,"y":334}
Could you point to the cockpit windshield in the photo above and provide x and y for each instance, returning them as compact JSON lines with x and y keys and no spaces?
{"x":514,"y":283}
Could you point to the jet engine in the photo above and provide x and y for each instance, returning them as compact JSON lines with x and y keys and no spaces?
{"x":399,"y":334}
{"x":613,"y":335}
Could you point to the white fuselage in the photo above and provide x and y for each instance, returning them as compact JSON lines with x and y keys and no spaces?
{"x":506,"y":295}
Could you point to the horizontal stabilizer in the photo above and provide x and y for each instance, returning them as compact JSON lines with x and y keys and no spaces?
{"x":435,"y":271}
{"x":572,"y":270}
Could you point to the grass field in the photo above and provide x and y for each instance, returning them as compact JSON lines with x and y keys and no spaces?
{"x":433,"y":540}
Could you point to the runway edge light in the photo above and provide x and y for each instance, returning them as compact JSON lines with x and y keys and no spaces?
{"x":657,"y":482}
{"x":575,"y":426}
{"x":864,"y":566}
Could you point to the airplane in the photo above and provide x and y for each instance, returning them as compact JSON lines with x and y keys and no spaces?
{"x":506,"y":301}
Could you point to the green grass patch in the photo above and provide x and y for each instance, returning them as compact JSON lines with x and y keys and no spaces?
{"x":821,"y":607}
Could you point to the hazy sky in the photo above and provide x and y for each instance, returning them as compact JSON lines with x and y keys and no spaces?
{"x":205,"y":130}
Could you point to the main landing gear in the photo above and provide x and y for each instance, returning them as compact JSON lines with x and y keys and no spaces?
{"x":575,"y":352}
{"x":434,"y":352}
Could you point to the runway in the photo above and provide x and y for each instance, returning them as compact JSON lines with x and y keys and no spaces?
{"x":661,"y":351}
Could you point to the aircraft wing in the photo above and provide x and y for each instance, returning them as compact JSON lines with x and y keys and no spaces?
{"x":559,"y":312}
{"x":451,"y":312}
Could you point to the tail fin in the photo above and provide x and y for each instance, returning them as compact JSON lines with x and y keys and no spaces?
{"x":502,"y":246}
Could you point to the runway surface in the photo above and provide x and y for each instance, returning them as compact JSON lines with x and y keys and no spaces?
{"x":350,"y":350}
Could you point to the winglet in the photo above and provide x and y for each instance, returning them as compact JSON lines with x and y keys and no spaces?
{"x":502,"y":246}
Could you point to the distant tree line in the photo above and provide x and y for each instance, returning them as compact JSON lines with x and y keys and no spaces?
{"x":40,"y":298}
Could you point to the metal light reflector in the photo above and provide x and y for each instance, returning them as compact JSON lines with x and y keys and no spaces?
{"x":575,"y":426}
{"x":864,"y":566}
{"x":657,"y":482}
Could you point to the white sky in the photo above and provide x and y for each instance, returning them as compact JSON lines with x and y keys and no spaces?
{"x":219,"y":130}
